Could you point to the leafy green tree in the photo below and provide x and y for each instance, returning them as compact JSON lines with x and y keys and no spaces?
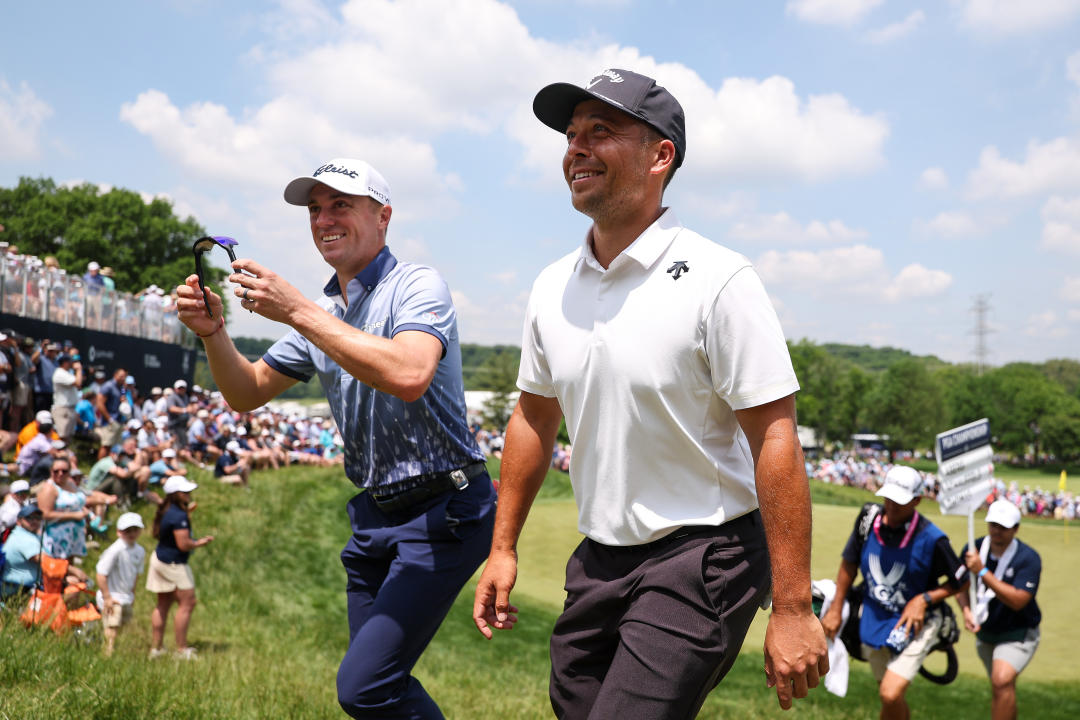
{"x":1020,"y":399}
{"x":907,"y":405}
{"x":144,"y":242}
{"x":499,"y":374}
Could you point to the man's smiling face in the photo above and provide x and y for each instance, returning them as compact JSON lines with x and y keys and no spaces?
{"x":348,"y":230}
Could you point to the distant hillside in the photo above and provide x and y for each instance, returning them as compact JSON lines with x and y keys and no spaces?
{"x":875,"y":360}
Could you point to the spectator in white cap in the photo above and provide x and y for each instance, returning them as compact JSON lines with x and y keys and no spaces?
{"x":902,"y":557}
{"x":166,"y":467}
{"x":232,"y":468}
{"x":1006,"y":617}
{"x":118,"y":568}
{"x":170,"y":575}
{"x":16,"y":497}
{"x":41,"y":424}
{"x":180,"y":407}
{"x":93,"y":274}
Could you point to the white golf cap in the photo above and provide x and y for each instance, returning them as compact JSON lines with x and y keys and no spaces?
{"x":178,"y":483}
{"x":180,"y":384}
{"x":168,"y":453}
{"x":902,"y":484}
{"x":19,"y":486}
{"x":93,"y":265}
{"x":232,"y":446}
{"x":44,"y":417}
{"x":1003,"y":513}
{"x":353,"y":177}
{"x":129,"y":520}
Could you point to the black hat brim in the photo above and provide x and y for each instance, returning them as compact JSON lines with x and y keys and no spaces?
{"x":554,"y":105}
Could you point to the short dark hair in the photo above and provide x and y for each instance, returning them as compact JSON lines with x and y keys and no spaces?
{"x":652,"y":135}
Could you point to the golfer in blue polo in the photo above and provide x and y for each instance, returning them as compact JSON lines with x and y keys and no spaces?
{"x":383,"y":341}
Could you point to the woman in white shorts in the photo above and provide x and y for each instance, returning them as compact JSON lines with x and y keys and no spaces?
{"x":170,"y":575}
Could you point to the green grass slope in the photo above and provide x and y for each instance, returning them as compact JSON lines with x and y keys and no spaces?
{"x":271,"y":626}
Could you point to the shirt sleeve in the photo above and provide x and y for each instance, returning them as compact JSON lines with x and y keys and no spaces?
{"x":291,"y":356}
{"x":106,"y":561}
{"x":945,"y":563}
{"x":424,"y":304}
{"x":534,"y":375}
{"x":745,"y":344}
{"x":1027,"y":573}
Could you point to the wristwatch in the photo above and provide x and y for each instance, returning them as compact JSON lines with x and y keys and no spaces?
{"x":927,"y":599}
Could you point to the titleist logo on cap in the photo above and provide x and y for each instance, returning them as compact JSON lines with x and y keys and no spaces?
{"x":329,"y":167}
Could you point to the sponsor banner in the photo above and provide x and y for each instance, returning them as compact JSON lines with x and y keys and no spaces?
{"x":151,"y":362}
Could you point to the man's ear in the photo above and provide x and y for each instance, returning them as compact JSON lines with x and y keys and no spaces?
{"x":664,"y":157}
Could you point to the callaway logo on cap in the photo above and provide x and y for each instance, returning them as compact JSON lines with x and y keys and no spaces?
{"x":352,"y":177}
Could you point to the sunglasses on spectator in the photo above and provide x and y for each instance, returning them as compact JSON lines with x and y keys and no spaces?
{"x":61,"y":471}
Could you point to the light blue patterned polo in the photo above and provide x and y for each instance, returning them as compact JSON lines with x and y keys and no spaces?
{"x":387,"y":440}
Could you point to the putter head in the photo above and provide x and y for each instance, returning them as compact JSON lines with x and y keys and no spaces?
{"x":204,"y":245}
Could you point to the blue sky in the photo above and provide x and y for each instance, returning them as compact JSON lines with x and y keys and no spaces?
{"x":881,"y":162}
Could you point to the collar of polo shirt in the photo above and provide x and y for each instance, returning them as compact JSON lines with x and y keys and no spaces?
{"x":368,"y":278}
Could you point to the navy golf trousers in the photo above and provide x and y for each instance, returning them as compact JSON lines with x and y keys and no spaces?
{"x":404,"y":571}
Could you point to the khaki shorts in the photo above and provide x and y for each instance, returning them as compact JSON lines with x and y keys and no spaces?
{"x":167,"y":577}
{"x":907,"y":663}
{"x":110,"y":434}
{"x":64,"y":419}
{"x":1018,"y":654}
{"x":118,"y":615}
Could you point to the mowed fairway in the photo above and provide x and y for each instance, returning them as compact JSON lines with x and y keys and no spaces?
{"x":271,"y":627}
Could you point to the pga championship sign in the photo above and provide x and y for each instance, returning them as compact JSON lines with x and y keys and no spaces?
{"x":965,"y":467}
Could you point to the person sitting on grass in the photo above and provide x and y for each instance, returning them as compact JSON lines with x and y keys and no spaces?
{"x":231,"y":468}
{"x":22,"y":549}
{"x":165,"y":467}
{"x":17,"y":495}
{"x":117,"y":570}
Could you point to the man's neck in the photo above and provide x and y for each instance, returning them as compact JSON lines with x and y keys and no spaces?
{"x":610,"y":238}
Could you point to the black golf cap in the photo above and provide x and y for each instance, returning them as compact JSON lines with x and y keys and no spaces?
{"x":625,"y":90}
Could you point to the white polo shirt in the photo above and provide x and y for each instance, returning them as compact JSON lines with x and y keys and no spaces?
{"x":121,"y":564}
{"x":649,"y":359}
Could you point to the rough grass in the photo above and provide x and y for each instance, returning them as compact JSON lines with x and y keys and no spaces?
{"x":271,"y":626}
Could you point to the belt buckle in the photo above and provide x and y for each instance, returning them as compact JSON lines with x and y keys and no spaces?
{"x":458,"y":478}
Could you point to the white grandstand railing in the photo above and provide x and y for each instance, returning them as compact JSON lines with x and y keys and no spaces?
{"x":31,"y":290}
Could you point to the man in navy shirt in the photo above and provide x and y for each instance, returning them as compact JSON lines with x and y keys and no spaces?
{"x":1006,"y":617}
{"x":383,"y":340}
{"x":109,"y":397}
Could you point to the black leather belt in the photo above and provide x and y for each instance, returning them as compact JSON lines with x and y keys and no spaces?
{"x":430,"y":485}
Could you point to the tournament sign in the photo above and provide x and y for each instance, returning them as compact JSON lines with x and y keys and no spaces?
{"x":965,"y":473}
{"x":965,"y":467}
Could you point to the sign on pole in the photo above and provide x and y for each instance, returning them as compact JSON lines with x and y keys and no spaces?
{"x":965,"y":467}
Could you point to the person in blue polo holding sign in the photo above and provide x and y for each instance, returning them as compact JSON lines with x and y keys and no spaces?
{"x":1006,"y":617}
{"x":902,"y":557}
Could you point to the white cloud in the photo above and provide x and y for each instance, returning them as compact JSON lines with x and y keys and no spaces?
{"x":1045,"y":325}
{"x":1061,"y":225}
{"x":1073,"y":316}
{"x":1014,"y":17}
{"x":762,"y":129}
{"x":22,"y":114}
{"x":934,"y":178}
{"x":1070,"y":291}
{"x":781,"y":227}
{"x":952,"y":224}
{"x":1050,"y":166}
{"x":896,"y":30}
{"x":855,"y":271}
{"x":844,"y":13}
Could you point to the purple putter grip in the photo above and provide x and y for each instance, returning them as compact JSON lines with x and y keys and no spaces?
{"x":223,"y":241}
